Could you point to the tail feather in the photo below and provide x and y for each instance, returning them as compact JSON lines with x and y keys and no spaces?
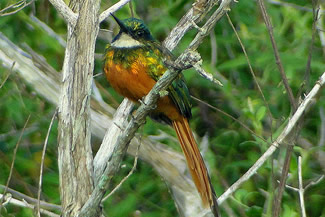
{"x":196,"y":164}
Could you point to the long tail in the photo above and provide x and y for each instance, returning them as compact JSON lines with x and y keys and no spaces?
{"x":196,"y":164}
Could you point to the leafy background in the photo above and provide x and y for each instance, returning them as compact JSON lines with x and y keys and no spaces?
{"x":232,"y":149}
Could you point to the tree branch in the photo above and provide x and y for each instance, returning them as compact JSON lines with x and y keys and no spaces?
{"x":284,"y":134}
{"x":301,"y":189}
{"x":31,"y":200}
{"x":42,"y":164}
{"x":75,"y":158}
{"x":112,"y":9}
{"x":9,"y":199}
{"x":68,"y":15}
{"x":199,"y":9}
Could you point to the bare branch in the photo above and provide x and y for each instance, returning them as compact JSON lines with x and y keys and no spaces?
{"x":112,"y":9}
{"x":290,"y":187}
{"x":127,"y":176}
{"x":42,"y":164}
{"x":105,"y":151}
{"x":301,"y":189}
{"x":209,"y":25}
{"x":69,"y":16}
{"x":28,"y":199}
{"x":312,"y":183}
{"x":287,"y":130}
{"x":9,"y":199}
{"x":198,"y":67}
{"x":75,"y":158}
{"x":194,"y":15}
{"x":19,"y":5}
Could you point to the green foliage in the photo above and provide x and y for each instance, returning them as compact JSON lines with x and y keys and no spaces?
{"x":232,"y":148}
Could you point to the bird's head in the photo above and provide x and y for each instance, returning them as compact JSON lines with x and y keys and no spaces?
{"x":133,"y":33}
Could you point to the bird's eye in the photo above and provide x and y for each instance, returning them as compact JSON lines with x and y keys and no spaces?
{"x":140,"y":33}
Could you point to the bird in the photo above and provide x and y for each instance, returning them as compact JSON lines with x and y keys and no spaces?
{"x":133,"y":63}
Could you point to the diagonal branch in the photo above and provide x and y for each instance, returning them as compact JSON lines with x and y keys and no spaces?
{"x":284,"y":134}
{"x":112,"y":9}
{"x":9,"y":199}
{"x":199,"y":9}
{"x":68,"y":15}
{"x":33,"y":201}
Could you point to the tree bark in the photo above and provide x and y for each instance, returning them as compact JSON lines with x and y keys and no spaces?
{"x":75,"y":155}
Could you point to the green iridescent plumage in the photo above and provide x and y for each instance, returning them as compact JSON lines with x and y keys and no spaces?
{"x":154,"y":54}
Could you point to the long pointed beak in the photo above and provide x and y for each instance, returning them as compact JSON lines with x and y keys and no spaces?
{"x":120,"y":23}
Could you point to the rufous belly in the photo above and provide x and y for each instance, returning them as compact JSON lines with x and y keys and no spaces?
{"x":134,"y":83}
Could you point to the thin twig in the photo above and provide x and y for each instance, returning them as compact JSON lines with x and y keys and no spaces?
{"x":231,"y":117}
{"x":13,"y":160}
{"x":252,"y":73}
{"x":126,"y":177}
{"x":312,"y":183}
{"x":6,"y":78}
{"x":20,"y":5}
{"x":198,"y":67}
{"x":42,"y":163}
{"x":24,"y":197}
{"x":301,"y":189}
{"x":9,"y":199}
{"x":291,"y":188}
{"x":277,"y":55}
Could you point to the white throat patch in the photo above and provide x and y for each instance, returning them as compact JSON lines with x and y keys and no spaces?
{"x":126,"y":41}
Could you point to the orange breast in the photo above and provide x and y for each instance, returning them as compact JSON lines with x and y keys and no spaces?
{"x":131,"y":82}
{"x":134,"y":83}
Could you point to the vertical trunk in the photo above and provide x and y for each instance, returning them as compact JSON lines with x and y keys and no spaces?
{"x":75,"y":155}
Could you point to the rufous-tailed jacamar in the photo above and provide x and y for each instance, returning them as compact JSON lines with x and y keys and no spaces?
{"x":133,"y":64}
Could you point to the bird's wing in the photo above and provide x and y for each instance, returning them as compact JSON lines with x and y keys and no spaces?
{"x":178,"y":90}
